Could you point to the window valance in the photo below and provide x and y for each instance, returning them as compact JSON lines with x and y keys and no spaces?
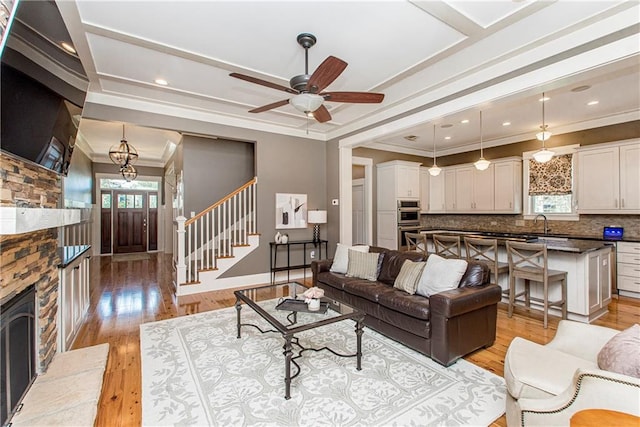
{"x":551,"y":178}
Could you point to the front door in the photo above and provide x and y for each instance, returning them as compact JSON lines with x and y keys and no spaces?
{"x":130,"y":225}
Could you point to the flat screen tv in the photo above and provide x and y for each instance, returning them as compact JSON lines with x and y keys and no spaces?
{"x":40,"y":110}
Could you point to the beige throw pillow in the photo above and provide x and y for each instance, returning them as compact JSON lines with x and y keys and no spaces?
{"x":621,"y":353}
{"x":341,"y":258}
{"x":363,"y":265}
{"x":440,"y":274}
{"x":409,"y":275}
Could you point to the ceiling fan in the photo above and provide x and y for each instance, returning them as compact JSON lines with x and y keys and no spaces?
{"x":308,"y":89}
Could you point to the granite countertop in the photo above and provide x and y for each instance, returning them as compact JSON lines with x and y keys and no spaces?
{"x":68,"y":254}
{"x":554,"y":242}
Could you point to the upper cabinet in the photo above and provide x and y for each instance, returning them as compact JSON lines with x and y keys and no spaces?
{"x":397,"y":180}
{"x":424,"y":190}
{"x":609,"y":179}
{"x":436,"y":194}
{"x":508,"y":186}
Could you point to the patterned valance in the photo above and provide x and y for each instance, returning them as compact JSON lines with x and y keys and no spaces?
{"x":551,"y":178}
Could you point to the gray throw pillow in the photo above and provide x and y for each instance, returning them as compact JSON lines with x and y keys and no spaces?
{"x":621,"y":353}
{"x":408,"y":277}
{"x":363,"y":265}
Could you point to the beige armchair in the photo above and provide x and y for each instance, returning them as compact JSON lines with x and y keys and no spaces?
{"x":547,"y":384}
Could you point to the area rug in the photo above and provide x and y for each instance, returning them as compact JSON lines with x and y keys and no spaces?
{"x":196,"y":372}
{"x":130,"y":257}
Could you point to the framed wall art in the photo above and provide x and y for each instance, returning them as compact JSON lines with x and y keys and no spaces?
{"x":291,"y":211}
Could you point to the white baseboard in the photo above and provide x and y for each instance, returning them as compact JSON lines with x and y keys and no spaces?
{"x":240,"y":282}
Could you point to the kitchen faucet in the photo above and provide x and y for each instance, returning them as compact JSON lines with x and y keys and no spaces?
{"x":535,"y":221}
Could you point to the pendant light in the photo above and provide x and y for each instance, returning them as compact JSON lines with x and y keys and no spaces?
{"x":123,"y":153}
{"x":543,"y":155}
{"x":434,"y":170}
{"x":482,"y":163}
{"x":129,"y":173}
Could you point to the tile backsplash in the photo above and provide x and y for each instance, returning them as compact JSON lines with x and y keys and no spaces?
{"x":587,"y":226}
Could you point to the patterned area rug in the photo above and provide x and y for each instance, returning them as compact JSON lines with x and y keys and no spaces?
{"x":196,"y":372}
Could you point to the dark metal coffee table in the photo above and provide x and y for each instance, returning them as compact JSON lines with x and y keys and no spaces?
{"x":263,"y":301}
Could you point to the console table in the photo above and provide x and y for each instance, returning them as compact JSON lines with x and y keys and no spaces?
{"x":276,"y":247}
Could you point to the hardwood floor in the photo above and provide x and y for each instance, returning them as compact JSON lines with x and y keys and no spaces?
{"x":127,"y":294}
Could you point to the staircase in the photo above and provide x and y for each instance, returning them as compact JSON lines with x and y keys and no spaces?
{"x":214,"y":240}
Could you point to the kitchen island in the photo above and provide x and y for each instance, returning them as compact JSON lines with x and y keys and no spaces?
{"x":587,"y":263}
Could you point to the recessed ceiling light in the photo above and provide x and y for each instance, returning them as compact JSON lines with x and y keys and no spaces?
{"x":544,"y":99}
{"x":446,"y":126}
{"x":506,"y":124}
{"x":68,"y":47}
{"x":410,"y":137}
{"x":465,"y":121}
{"x":447,"y":137}
{"x":593,"y":102}
{"x":581,"y":88}
{"x":161,"y":82}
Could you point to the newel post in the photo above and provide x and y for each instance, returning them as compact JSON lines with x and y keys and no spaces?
{"x":181,"y":267}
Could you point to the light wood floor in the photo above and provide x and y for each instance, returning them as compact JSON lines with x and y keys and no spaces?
{"x":127,"y":294}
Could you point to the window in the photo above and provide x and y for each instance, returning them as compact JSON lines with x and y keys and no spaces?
{"x":107,"y":184}
{"x":549,"y":188}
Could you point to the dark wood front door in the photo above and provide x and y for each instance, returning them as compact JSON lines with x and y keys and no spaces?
{"x":130,"y":228}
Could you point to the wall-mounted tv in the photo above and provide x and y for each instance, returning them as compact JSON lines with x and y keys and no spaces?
{"x":40,"y":109}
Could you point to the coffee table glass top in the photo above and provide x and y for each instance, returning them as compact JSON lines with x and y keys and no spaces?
{"x":264,"y":300}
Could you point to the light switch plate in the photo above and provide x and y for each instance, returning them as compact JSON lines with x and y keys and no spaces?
{"x":334,"y":202}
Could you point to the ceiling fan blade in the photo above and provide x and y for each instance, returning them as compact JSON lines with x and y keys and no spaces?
{"x":322,"y":114}
{"x":263,"y":83}
{"x":270,"y":106}
{"x":326,"y":73}
{"x":354,"y":97}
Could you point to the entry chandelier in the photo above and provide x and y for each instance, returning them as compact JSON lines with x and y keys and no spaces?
{"x":481,"y":164}
{"x":434,"y":170}
{"x":543,"y":155}
{"x":123,"y":154}
{"x":129,"y":173}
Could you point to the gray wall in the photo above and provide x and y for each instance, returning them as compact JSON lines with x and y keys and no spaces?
{"x":78,"y":184}
{"x":214,"y":168}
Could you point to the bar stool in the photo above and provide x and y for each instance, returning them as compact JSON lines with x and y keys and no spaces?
{"x":447,"y":246}
{"x":529,"y":261}
{"x":486,"y":250}
{"x":416,"y":242}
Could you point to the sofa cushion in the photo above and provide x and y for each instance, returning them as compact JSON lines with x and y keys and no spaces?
{"x":409,"y":275}
{"x":440,"y":274}
{"x":335,"y":280}
{"x":366,"y":289}
{"x":341,"y":258}
{"x":409,"y":326}
{"x":621,"y":353}
{"x":364,"y":265}
{"x":477,"y":274}
{"x":535,"y":371}
{"x":400,"y":301}
{"x":392,"y":263}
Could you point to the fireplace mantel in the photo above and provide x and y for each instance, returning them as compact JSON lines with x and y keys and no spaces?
{"x":15,"y":220}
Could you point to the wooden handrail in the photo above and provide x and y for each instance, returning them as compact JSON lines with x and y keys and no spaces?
{"x":221,"y":201}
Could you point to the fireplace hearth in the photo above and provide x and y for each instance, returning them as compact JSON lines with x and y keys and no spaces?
{"x":17,"y":350}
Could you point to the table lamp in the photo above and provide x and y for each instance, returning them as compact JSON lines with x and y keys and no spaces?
{"x":316,"y":218}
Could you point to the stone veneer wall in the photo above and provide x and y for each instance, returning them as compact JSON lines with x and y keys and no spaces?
{"x":31,"y":258}
{"x":587,"y":226}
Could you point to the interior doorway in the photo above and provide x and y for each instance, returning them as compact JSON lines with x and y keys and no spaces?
{"x":362,"y":200}
{"x":358,"y":216}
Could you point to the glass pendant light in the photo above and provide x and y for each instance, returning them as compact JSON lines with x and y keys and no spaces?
{"x":543,"y":155}
{"x":482,"y":163}
{"x":434,"y":170}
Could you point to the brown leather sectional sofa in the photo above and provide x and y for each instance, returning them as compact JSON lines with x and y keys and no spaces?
{"x":445,"y":326}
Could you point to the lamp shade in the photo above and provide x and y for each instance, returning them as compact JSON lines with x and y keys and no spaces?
{"x":434,"y":170}
{"x":317,"y":217}
{"x":482,"y":164}
{"x":543,"y":156}
{"x":306,"y":102}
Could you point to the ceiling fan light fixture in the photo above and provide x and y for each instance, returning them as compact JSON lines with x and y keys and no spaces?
{"x":306,"y":102}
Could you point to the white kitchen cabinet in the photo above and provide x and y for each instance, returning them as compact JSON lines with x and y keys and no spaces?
{"x":470,"y":190}
{"x":397,"y":180}
{"x":73,"y":299}
{"x":609,"y":179}
{"x":508,"y":186}
{"x":387,"y":236}
{"x":424,"y":190}
{"x":437,"y":193}
{"x":599,"y":281}
{"x":449,"y":189}
{"x":628,"y":268}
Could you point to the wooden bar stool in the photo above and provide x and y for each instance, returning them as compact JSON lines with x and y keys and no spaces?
{"x":486,"y":250}
{"x":447,"y":246}
{"x":416,"y":242}
{"x":528,"y":261}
